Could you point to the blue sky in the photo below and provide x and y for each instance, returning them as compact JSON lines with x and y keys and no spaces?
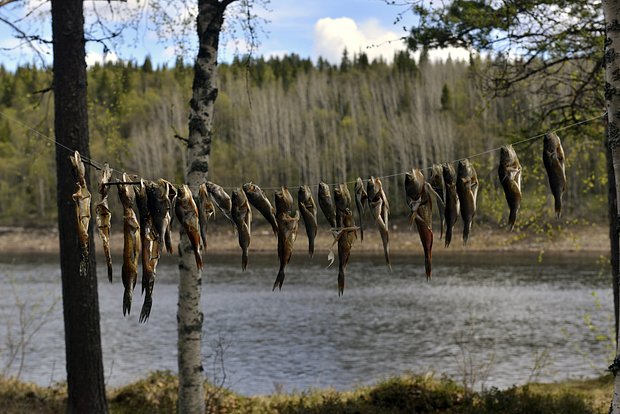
{"x":311,"y":28}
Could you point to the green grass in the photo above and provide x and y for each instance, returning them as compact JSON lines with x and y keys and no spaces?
{"x":405,"y":394}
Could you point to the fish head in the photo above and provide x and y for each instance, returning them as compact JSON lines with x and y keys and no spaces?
{"x":463,"y":168}
{"x":284,"y":200}
{"x":249,"y":187}
{"x":449,"y":176}
{"x":340,"y":197}
{"x":414,"y":183}
{"x":359,"y":185}
{"x":324,"y":190}
{"x":303,"y":194}
{"x":436,"y":178}
{"x":238,"y":199}
{"x":371,"y":190}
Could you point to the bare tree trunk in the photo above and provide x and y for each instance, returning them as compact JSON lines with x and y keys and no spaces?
{"x":611,"y":10}
{"x":85,"y":379}
{"x":204,"y":93}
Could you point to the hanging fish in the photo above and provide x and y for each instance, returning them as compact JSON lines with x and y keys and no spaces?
{"x":205,"y":211}
{"x":158,"y":202}
{"x":452,"y":208}
{"x":287,"y":231}
{"x":149,"y":248}
{"x":345,"y":238}
{"x":326,"y":204}
{"x":361,"y":199}
{"x":242,"y":217}
{"x":553,"y":158}
{"x":420,"y":202}
{"x":131,"y":243}
{"x":257,"y":198}
{"x":172,"y":197}
{"x":103,"y":216}
{"x":379,"y":207}
{"x":220,"y":198}
{"x":509,"y":172}
{"x":467,"y":190}
{"x":342,"y":201}
{"x":81,"y":197}
{"x":436,"y":181}
{"x":307,"y":207}
{"x":187,"y":214}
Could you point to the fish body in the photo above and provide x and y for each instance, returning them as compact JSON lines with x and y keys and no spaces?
{"x":361,"y":200}
{"x":420,"y":202}
{"x":205,"y":212}
{"x":436,"y":182}
{"x":379,"y":207}
{"x":307,"y":208}
{"x":149,"y":249}
{"x":467,"y":191}
{"x":131,"y":244}
{"x":257,"y":198}
{"x":287,"y":231}
{"x":553,"y":158}
{"x":509,"y":172}
{"x":452,"y":205}
{"x":103,"y":217}
{"x":82,"y":198}
{"x":326,"y":204}
{"x":220,"y":198}
{"x":242,"y":217}
{"x":345,"y":238}
{"x":159,"y":206}
{"x":187,"y":213}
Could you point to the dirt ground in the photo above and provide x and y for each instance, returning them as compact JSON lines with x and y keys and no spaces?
{"x":567,"y":238}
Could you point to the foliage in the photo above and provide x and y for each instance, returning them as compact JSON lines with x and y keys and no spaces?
{"x":406,"y":394}
{"x":289,"y":121}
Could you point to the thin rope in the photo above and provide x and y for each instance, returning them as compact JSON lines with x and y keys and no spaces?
{"x":99,"y":165}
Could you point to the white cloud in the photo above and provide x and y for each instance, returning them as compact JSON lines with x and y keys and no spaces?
{"x":94,"y":57}
{"x":332,"y":36}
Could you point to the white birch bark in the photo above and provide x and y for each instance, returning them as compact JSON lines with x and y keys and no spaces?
{"x":189,"y":316}
{"x":611,"y":10}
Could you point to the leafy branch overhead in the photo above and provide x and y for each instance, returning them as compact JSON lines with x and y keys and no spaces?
{"x":558,"y":42}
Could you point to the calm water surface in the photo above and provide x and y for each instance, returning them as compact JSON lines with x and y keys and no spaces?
{"x":508,"y":313}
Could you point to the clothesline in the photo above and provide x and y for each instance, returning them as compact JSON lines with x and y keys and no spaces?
{"x":99,"y":165}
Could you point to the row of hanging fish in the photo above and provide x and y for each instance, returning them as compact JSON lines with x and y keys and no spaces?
{"x":455,"y":192}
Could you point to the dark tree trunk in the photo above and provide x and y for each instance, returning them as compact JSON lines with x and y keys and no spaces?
{"x":85,"y":379}
{"x":204,"y":92}
{"x":613,"y":233}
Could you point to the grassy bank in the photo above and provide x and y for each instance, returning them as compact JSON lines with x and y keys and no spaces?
{"x":406,"y":394}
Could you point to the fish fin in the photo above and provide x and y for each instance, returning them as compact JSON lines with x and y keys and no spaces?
{"x":110,"y":272}
{"x":340,"y":282}
{"x":330,"y":258}
{"x":279,"y":280}
{"x":558,"y":207}
{"x":448,"y":237}
{"x":127,"y":301}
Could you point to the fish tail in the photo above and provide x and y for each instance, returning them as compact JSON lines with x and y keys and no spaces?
{"x":244,"y":259}
{"x":558,"y":206}
{"x":127,"y":301}
{"x":448,"y":237}
{"x":441,"y":224}
{"x":386,"y":248}
{"x":341,"y":282}
{"x":512,"y":218}
{"x":199,"y":259}
{"x":168,"y":242}
{"x":108,"y":259}
{"x":311,"y":247}
{"x":279,"y":280}
{"x":145,"y":312}
{"x":426,"y":236}
{"x":274,"y":227}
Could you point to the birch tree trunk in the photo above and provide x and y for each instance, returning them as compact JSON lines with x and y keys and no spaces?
{"x":611,"y":10}
{"x":80,"y":303}
{"x":204,"y":92}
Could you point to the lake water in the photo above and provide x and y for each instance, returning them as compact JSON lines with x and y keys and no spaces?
{"x":513,"y":317}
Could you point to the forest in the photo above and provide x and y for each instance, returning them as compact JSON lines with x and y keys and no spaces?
{"x":289,"y":121}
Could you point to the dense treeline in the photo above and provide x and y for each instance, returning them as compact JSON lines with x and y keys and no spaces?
{"x":290,"y":121}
